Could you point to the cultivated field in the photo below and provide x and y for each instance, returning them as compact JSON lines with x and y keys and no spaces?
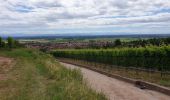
{"x":149,"y":63}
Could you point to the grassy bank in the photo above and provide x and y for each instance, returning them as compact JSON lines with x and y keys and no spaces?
{"x":37,"y":76}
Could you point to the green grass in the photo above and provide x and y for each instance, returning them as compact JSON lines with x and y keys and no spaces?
{"x":38,"y":76}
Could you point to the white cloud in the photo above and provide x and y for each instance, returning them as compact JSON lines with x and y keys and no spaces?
{"x":56,"y":14}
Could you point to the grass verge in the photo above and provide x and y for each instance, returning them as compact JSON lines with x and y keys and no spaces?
{"x":37,"y":76}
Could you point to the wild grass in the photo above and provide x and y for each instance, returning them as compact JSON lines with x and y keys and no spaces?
{"x":38,"y":76}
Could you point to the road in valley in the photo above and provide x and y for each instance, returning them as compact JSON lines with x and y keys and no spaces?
{"x":115,"y":89}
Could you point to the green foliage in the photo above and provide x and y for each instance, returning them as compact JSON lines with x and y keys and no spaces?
{"x":38,"y":76}
{"x":157,"y":58}
{"x":10,"y":42}
{"x":0,"y":42}
{"x":118,"y":42}
{"x":17,"y":44}
{"x":147,"y":42}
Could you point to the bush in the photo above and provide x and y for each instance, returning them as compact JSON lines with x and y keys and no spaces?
{"x":118,"y":42}
{"x":0,"y":42}
{"x":10,"y":42}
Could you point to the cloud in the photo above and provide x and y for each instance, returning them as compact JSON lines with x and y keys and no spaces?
{"x":21,"y":15}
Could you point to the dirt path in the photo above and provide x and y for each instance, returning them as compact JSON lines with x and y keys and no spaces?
{"x":5,"y":66}
{"x":115,"y":89}
{"x":5,"y":61}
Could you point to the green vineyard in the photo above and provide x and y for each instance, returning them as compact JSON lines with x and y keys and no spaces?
{"x":155,"y":58}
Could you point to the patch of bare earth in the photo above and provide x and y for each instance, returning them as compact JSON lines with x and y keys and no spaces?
{"x":115,"y":89}
{"x":5,"y":67}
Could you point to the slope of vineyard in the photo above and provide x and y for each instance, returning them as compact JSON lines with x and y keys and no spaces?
{"x":156,"y":58}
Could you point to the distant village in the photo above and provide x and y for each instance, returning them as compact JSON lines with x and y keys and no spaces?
{"x":68,"y":45}
{"x":95,"y":44}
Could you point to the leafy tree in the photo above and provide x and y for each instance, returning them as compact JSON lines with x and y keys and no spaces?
{"x":10,"y":42}
{"x":118,"y":42}
{"x":0,"y":42}
{"x":17,"y":44}
{"x":3,"y":44}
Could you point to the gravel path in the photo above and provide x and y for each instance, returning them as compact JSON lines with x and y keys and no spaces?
{"x":115,"y":89}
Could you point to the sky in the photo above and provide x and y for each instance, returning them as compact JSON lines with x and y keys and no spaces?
{"x":84,"y":16}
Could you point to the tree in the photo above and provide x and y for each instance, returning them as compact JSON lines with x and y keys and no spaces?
{"x":3,"y":44}
{"x":0,"y":42}
{"x":10,"y":42}
{"x":118,"y":42}
{"x":17,"y":43}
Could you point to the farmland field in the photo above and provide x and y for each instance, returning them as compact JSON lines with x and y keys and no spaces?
{"x":29,"y":71}
{"x":149,"y":57}
{"x":149,"y":60}
{"x":85,"y":50}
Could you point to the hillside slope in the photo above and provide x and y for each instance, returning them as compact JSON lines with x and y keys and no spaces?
{"x":33,"y":75}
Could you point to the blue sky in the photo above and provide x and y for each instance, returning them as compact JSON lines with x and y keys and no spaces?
{"x":84,"y":16}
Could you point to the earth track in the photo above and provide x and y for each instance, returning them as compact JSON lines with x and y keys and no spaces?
{"x":115,"y":89}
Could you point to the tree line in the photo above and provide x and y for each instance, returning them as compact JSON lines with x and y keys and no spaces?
{"x":9,"y":43}
{"x":135,"y":43}
{"x":148,"y":42}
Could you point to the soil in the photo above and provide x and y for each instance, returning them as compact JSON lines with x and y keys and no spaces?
{"x":5,"y":66}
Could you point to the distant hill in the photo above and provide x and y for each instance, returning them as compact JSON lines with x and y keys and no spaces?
{"x":95,"y":36}
{"x":54,"y":36}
